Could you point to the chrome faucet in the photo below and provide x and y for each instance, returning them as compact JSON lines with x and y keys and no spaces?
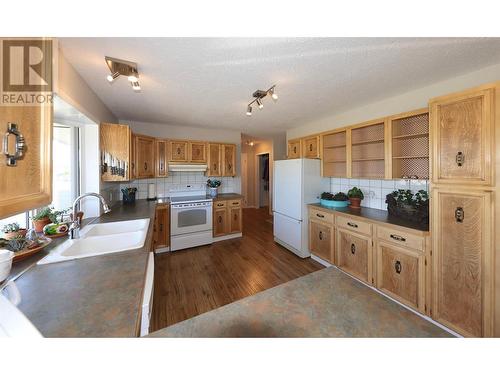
{"x":74,"y":229}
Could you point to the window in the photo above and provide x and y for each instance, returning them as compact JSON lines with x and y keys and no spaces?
{"x":66,"y":173}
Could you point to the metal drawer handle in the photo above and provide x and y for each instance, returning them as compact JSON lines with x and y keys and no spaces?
{"x":145,"y":166}
{"x":352,"y":225}
{"x":459,"y":215}
{"x":310,"y":147}
{"x":295,"y":149}
{"x":161,"y":227}
{"x":398,"y":238}
{"x":178,"y":151}
{"x":353,"y":248}
{"x":215,"y":166}
{"x":20,"y":145}
{"x":220,"y":204}
{"x":319,"y":215}
{"x":321,"y":235}
{"x":234,"y":203}
{"x":397,"y":266}
{"x":460,"y":158}
{"x":220,"y":219}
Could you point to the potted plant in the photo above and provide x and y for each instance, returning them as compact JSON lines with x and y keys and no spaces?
{"x":355,"y":197}
{"x":13,"y":230}
{"x":409,"y":206}
{"x":331,"y":200}
{"x":44,"y":216}
{"x":212,"y":186}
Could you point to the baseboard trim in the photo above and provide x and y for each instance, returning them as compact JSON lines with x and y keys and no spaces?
{"x":321,"y":261}
{"x":227,"y":237}
{"x":162,"y":250}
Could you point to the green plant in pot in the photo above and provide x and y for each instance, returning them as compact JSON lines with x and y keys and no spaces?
{"x":46,"y":215}
{"x":355,"y":197}
{"x":413,"y":207}
{"x":212,"y":186}
{"x":334,"y":200}
{"x":13,"y":230}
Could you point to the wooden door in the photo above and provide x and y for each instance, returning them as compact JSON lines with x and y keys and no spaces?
{"x":179,"y":151}
{"x":310,"y":147}
{"x":401,"y":274}
{"x":462,"y":137}
{"x":228,"y":160}
{"x":161,"y":158}
{"x":354,"y":254}
{"x":133,"y":164}
{"x":145,"y":161}
{"x":197,"y":152}
{"x":294,"y":149}
{"x":220,"y":227}
{"x":162,"y":226}
{"x":235,"y":219}
{"x":214,"y":160}
{"x":321,"y":241}
{"x":462,"y":261}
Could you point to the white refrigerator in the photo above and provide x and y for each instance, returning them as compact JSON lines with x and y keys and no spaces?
{"x":297,"y":182}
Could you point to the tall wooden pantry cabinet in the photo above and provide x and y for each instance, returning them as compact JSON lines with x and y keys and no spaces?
{"x":463,"y":188}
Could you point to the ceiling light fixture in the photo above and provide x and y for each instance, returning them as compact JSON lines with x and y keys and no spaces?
{"x":259,"y":95}
{"x":119,"y":67}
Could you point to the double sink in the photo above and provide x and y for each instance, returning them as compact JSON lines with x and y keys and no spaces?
{"x":101,"y":239}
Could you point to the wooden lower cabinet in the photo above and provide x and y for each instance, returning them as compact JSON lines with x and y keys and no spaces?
{"x":463,"y":261}
{"x":354,"y":254}
{"x":227,"y":217}
{"x":322,"y":241}
{"x":162,"y":227}
{"x":400,"y":273}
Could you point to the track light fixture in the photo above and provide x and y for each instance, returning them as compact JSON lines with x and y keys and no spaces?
{"x":119,"y":67}
{"x":259,"y":95}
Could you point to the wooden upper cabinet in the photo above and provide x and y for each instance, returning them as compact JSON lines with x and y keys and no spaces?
{"x":145,"y":156}
{"x":197,"y":152}
{"x":462,"y":261}
{"x":28,"y":183}
{"x":161,"y":150}
{"x":116,"y":151}
{"x":294,"y":149}
{"x":214,"y":159}
{"x":228,"y":160}
{"x":462,"y":136}
{"x":310,"y":147}
{"x":179,"y":151}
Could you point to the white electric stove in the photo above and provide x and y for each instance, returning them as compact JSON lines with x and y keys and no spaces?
{"x":190,"y":216}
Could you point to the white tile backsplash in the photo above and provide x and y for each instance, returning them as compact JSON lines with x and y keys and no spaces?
{"x":229,"y":184}
{"x":376,"y":190}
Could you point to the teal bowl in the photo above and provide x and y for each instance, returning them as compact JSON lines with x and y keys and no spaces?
{"x":335,"y":204}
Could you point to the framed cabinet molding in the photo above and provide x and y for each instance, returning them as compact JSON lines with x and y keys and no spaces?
{"x":294,"y":149}
{"x":178,"y":151}
{"x":462,"y":137}
{"x":197,"y":152}
{"x":311,"y":147}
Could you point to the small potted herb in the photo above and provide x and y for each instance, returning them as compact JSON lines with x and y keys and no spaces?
{"x":212,"y":186}
{"x":46,"y":215}
{"x":355,"y":197}
{"x":13,"y":230}
{"x":331,"y":200}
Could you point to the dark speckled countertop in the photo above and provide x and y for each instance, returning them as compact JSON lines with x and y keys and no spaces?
{"x":89,"y":297}
{"x":227,"y":196}
{"x":373,"y":214}
{"x":325,"y":303}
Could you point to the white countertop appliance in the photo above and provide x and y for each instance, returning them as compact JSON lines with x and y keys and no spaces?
{"x":297,"y":182}
{"x":190,"y":216}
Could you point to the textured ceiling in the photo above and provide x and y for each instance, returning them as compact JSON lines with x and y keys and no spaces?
{"x":207,"y":82}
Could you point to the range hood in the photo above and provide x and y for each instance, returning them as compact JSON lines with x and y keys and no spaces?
{"x":187,"y":167}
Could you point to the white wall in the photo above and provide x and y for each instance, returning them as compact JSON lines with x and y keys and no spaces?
{"x":400,"y":103}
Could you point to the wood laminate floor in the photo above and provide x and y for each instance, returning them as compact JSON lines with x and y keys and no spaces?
{"x":193,"y":281}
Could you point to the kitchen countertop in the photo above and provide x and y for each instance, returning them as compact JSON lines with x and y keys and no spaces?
{"x":89,"y":297}
{"x":374,"y":214}
{"x":325,"y":303}
{"x":226,"y":196}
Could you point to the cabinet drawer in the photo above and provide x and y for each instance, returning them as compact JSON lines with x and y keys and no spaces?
{"x":401,"y":238}
{"x":234,"y":203}
{"x":401,"y":274}
{"x":220,"y":204}
{"x":354,"y":225}
{"x":321,"y":215}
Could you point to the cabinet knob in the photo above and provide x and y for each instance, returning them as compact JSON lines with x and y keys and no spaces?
{"x":321,"y":235}
{"x":310,"y":147}
{"x":161,"y":166}
{"x":178,"y":151}
{"x":459,"y":214}
{"x":353,"y":248}
{"x":460,"y":158}
{"x":397,"y":266}
{"x":295,"y":149}
{"x":145,"y":166}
